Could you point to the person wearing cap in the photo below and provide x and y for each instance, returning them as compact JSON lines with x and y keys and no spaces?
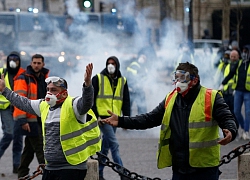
{"x":65,"y":120}
{"x":9,"y":126}
{"x":241,"y":85}
{"x":190,"y":117}
{"x":110,"y":92}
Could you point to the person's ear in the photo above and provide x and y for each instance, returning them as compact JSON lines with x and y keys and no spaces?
{"x":195,"y":81}
{"x":65,"y":94}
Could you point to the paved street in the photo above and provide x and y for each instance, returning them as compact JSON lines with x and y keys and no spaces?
{"x":138,"y":152}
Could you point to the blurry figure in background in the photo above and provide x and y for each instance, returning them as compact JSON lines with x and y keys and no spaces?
{"x":185,"y":54}
{"x":206,"y":34}
{"x":11,"y":129}
{"x":2,"y":60}
{"x":110,"y":92}
{"x":241,"y":72}
{"x":219,"y":75}
{"x":137,"y":73}
{"x":228,"y":89}
{"x":235,"y":46}
{"x":31,"y":84}
{"x":221,"y":51}
{"x":67,"y":25}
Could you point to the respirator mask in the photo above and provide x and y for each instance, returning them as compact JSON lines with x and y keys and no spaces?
{"x":111,"y":68}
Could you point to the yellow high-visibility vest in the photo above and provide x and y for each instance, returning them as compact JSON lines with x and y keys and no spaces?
{"x":79,"y":141}
{"x":106,"y":99}
{"x":204,"y":151}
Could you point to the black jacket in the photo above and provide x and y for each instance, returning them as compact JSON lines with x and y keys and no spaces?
{"x":126,"y":97}
{"x":179,"y":140}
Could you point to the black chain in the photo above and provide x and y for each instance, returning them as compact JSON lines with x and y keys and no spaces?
{"x":234,"y":153}
{"x":122,"y":171}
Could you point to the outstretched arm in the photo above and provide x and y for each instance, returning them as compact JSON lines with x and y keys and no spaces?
{"x":20,"y":102}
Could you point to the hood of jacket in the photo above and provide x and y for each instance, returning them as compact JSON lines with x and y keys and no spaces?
{"x":117,"y":69}
{"x":13,"y":70}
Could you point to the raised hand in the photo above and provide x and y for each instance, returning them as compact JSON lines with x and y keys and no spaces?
{"x":88,"y":74}
{"x":2,"y":83}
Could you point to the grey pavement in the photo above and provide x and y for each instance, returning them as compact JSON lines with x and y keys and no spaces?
{"x":138,"y":152}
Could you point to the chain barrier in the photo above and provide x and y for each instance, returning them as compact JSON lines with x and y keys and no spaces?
{"x":122,"y":171}
{"x":36,"y":173}
{"x":234,"y":153}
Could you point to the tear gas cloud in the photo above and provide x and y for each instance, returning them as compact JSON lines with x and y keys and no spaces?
{"x":97,"y":47}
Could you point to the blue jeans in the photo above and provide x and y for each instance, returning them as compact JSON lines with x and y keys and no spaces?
{"x":11,"y":131}
{"x":109,"y":141}
{"x":241,"y":97}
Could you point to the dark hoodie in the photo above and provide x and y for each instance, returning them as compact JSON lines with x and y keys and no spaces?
{"x":12,"y":71}
{"x":242,"y":73}
{"x":113,"y":81}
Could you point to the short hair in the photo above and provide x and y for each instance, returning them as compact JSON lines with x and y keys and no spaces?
{"x":37,"y":56}
{"x":188,"y":67}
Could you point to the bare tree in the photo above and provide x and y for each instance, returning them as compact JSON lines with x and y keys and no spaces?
{"x":226,"y":19}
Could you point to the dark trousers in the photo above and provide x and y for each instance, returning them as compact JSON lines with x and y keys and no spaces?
{"x":64,"y":174}
{"x":201,"y":174}
{"x":32,"y":145}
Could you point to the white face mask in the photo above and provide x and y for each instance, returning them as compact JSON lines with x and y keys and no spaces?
{"x":111,"y":68}
{"x":13,"y":64}
{"x":181,"y":87}
{"x":51,"y":99}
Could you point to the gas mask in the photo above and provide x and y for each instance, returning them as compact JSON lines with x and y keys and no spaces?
{"x":182,"y":81}
{"x":111,"y":68}
{"x":52,"y":99}
{"x":13,"y":64}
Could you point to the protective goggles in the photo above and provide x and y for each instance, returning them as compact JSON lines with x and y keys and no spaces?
{"x":181,"y":76}
{"x":13,"y":58}
{"x":57,"y":81}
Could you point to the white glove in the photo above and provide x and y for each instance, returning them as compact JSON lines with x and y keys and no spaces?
{"x":221,"y":87}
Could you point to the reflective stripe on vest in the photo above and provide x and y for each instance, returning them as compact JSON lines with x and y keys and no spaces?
{"x":4,"y":103}
{"x":204,"y":151}
{"x":79,"y":141}
{"x":247,"y":83}
{"x":106,"y":100}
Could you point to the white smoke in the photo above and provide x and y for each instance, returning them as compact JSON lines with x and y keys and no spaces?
{"x":97,"y":46}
